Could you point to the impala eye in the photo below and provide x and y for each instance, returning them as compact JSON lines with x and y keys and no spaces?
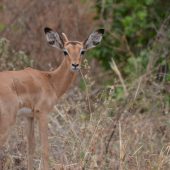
{"x":82,"y":52}
{"x":65,"y":53}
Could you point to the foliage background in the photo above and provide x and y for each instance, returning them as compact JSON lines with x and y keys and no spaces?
{"x":117,"y":115}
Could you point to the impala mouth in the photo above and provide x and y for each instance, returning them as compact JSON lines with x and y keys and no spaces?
{"x":75,"y":69}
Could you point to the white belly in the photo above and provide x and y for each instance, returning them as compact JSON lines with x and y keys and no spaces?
{"x":25,"y":112}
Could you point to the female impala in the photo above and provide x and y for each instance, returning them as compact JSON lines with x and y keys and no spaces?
{"x":33,"y":93}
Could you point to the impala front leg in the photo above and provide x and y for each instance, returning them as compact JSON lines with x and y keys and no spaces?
{"x":43,"y":129}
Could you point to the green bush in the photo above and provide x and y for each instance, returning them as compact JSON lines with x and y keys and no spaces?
{"x":131,"y":26}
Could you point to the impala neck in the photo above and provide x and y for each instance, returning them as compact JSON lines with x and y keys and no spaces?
{"x":62,"y":78}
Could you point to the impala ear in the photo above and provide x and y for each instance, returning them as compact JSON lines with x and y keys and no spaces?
{"x":94,"y":39}
{"x":53,"y":38}
{"x":65,"y":39}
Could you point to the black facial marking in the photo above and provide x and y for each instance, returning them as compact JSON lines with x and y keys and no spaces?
{"x":100,"y":31}
{"x":46,"y":29}
{"x":51,"y":42}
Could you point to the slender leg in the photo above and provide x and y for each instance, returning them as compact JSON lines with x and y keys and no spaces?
{"x":43,"y":129}
{"x":31,"y":142}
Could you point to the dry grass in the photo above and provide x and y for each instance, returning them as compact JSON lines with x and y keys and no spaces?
{"x":132,"y":133}
{"x":102,"y":132}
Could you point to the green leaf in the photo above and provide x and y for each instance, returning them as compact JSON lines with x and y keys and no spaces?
{"x":2,"y":27}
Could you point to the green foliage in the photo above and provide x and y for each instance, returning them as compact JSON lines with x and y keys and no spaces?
{"x":2,"y":27}
{"x":1,"y":7}
{"x":137,"y":38}
{"x":82,"y":85}
{"x":130,"y":26}
{"x":118,"y":93}
{"x":135,"y":66}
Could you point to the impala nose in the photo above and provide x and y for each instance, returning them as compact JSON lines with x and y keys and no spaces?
{"x":75,"y":66}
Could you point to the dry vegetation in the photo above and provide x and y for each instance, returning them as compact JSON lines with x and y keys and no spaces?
{"x":23,"y":23}
{"x":133,"y":133}
{"x":90,"y":128}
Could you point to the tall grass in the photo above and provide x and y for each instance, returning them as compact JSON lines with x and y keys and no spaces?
{"x":102,"y":127}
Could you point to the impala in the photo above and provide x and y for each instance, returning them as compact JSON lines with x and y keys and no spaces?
{"x":33,"y":93}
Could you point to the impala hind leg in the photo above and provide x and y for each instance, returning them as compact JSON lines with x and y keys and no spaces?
{"x":31,"y":142}
{"x":7,"y":120}
{"x":43,"y":129}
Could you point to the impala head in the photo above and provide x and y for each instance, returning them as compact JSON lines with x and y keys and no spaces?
{"x":73,"y":50}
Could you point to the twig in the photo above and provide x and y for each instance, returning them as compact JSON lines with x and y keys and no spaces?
{"x":87,"y":93}
{"x":116,"y":70}
{"x":90,"y":143}
{"x":137,"y":90}
{"x":121,"y":147}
